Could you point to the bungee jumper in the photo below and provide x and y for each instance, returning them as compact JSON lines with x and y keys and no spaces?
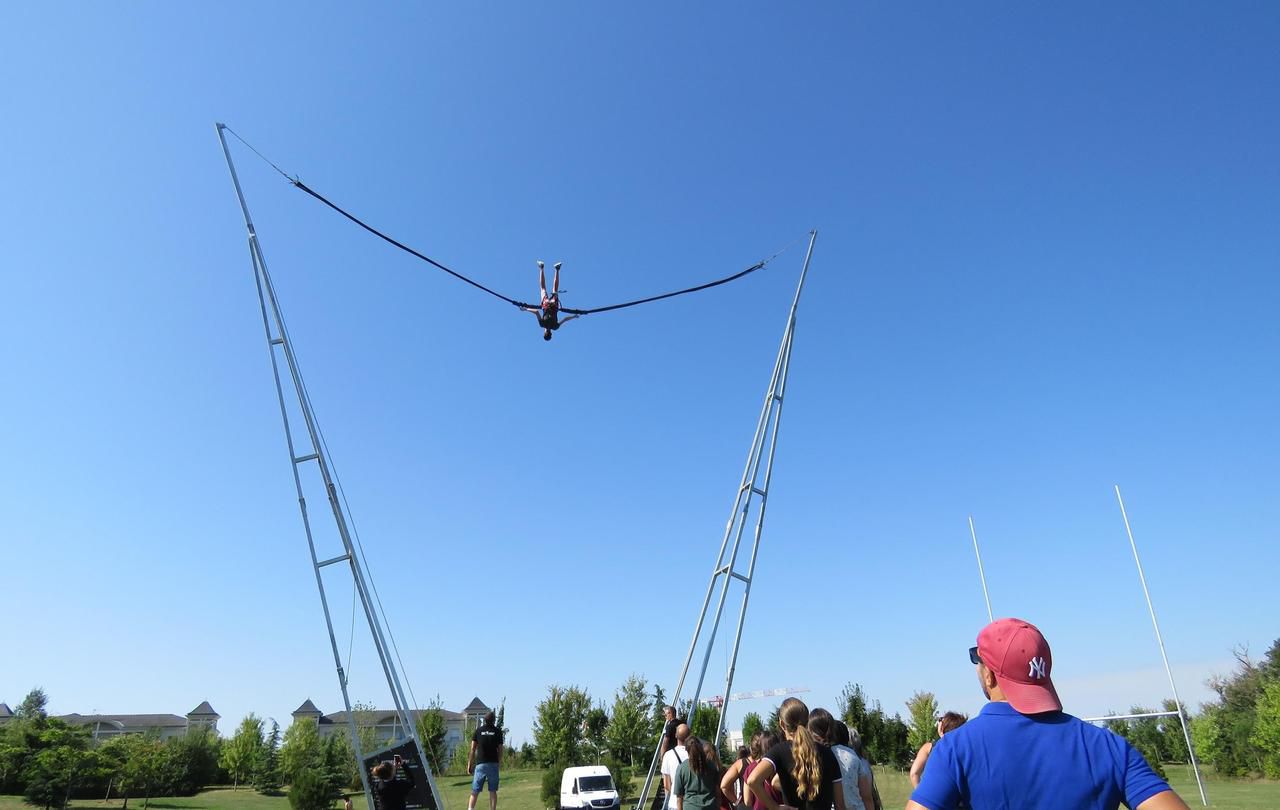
{"x":549,"y":309}
{"x":548,"y":312}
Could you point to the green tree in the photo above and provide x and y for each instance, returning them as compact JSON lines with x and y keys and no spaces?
{"x":141,"y":774}
{"x":629,"y":736}
{"x":1266,"y":729}
{"x":192,"y":761}
{"x":53,"y":776}
{"x":751,"y":726}
{"x":301,"y":750}
{"x":703,"y":726}
{"x":1144,"y":734}
{"x":240,"y":755}
{"x":659,"y":720}
{"x":557,"y":725}
{"x":311,"y":790}
{"x":1233,"y":715}
{"x":462,"y":752}
{"x":922,"y":709}
{"x":884,"y":738}
{"x":774,"y":724}
{"x":432,"y":729}
{"x":32,"y":706}
{"x":1173,"y":744}
{"x":267,"y":778}
{"x":500,"y":721}
{"x":594,"y":726}
{"x":339,"y":764}
{"x":366,"y":717}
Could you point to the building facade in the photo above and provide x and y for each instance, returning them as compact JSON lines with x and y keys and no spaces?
{"x":386,"y":724}
{"x":166,"y":726}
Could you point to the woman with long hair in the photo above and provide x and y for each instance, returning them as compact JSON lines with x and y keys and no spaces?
{"x":856,"y":773}
{"x":696,"y":785}
{"x":808,"y":773}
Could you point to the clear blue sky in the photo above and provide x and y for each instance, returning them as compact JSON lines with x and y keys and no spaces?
{"x":1046,"y":265}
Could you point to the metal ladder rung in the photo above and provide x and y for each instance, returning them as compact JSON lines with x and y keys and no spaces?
{"x":277,"y":341}
{"x":306,"y":458}
{"x":760,"y":492}
{"x":337,"y":559}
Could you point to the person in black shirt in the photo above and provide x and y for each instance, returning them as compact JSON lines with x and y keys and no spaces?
{"x":484,"y":759}
{"x":388,"y":791}
{"x":548,"y":312}
{"x":807,"y":771}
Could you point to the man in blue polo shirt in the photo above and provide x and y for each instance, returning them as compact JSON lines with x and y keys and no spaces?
{"x":1022,"y":752}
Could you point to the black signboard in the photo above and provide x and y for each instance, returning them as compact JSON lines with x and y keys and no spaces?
{"x":421,"y":797}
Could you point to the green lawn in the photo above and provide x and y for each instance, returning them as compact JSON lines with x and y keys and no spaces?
{"x":520,"y":792}
{"x":213,"y":799}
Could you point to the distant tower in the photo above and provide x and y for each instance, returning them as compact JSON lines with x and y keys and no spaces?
{"x":475,"y":712}
{"x":307,"y":710}
{"x":203,"y":716}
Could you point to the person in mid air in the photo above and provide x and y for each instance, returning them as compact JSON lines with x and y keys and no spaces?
{"x":548,"y":312}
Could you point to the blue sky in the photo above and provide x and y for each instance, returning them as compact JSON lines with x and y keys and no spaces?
{"x":1046,"y":264}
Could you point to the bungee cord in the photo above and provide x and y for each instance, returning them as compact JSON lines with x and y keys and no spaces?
{"x":297,"y":183}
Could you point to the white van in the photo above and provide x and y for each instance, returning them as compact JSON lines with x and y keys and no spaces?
{"x":589,"y":787}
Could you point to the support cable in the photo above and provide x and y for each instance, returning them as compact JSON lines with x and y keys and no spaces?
{"x":520,"y":304}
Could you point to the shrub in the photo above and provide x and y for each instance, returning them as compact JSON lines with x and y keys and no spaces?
{"x":621,"y":778}
{"x":312,"y":790}
{"x":551,"y":785}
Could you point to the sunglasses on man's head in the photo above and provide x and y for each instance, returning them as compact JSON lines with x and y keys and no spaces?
{"x":973,"y":656}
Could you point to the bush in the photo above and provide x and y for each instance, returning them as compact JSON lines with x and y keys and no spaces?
{"x":551,"y":785}
{"x":621,"y":778}
{"x":312,"y":790}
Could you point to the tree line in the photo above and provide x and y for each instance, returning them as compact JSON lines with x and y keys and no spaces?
{"x":1239,"y":733}
{"x":50,"y":762}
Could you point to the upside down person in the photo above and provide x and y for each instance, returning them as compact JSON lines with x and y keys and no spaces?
{"x":548,"y":312}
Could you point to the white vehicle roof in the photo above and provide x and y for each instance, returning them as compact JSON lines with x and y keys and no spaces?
{"x":586,"y":770}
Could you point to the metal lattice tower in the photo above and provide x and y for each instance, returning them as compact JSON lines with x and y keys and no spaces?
{"x":313,"y":451}
{"x":753,"y":488}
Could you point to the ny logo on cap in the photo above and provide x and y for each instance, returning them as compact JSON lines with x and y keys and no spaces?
{"x":1037,"y":668}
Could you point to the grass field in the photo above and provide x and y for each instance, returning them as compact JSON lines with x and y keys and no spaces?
{"x":520,"y":792}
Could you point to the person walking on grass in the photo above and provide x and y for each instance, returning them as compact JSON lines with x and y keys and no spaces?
{"x":484,"y":761}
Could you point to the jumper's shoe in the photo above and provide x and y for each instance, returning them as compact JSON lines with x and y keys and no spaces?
{"x":557,"y":265}
{"x":541,"y":266}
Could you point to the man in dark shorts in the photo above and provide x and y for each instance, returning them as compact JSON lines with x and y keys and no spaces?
{"x":389,"y":791}
{"x":484,"y":759}
{"x":548,"y":312}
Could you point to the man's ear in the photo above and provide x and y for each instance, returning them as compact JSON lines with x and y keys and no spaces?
{"x":988,"y":677}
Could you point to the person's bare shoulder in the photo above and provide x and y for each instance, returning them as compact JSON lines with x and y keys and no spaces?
{"x":1166,"y":800}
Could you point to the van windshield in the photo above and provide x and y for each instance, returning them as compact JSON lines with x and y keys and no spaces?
{"x":586,"y":783}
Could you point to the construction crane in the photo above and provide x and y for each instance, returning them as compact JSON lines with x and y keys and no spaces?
{"x":718,"y":700}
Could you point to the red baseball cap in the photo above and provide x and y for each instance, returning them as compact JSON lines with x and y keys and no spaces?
{"x":1017,"y":654}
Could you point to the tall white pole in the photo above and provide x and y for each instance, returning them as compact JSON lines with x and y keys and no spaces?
{"x":1186,"y":734}
{"x":981,"y":574}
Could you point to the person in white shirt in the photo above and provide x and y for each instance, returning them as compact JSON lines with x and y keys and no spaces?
{"x":671,"y":763}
